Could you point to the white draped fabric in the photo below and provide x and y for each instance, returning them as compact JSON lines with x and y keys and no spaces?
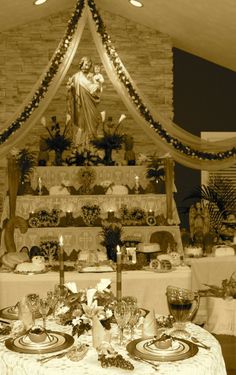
{"x":193,"y":142}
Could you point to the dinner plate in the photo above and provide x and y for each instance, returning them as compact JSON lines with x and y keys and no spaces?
{"x":54,"y":342}
{"x":30,"y":272}
{"x":11,"y":313}
{"x":144,"y":349}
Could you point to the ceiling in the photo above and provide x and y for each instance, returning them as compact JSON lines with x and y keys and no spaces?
{"x":205,"y":28}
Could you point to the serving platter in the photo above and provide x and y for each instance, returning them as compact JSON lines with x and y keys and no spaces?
{"x":30,"y":272}
{"x":145,"y":349}
{"x":55,"y":341}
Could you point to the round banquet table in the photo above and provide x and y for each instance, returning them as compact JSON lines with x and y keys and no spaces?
{"x":205,"y":362}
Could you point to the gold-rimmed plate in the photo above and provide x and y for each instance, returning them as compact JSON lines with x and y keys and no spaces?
{"x":55,"y":341}
{"x":11,"y":313}
{"x":144,"y":349}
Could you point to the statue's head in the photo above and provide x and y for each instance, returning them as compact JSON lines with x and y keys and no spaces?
{"x":85,"y":64}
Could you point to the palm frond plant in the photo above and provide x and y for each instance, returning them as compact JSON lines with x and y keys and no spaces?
{"x":220,"y":197}
{"x":57,"y":141}
{"x":26,"y":161}
{"x":155,"y":172}
{"x":111,"y":237}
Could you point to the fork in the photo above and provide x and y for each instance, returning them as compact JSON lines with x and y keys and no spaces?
{"x":155,"y":366}
{"x":54,"y":356}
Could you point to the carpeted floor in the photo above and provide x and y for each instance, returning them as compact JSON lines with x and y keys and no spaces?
{"x":228,"y":346}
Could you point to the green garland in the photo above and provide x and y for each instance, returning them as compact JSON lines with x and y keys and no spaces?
{"x":143,"y":110}
{"x":49,"y":75}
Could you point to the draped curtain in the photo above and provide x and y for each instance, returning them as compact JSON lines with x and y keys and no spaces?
{"x":173,"y":130}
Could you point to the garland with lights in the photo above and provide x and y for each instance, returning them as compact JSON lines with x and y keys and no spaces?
{"x":49,"y":75}
{"x":143,"y":110}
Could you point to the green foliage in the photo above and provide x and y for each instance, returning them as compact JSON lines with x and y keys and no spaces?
{"x":26,"y":161}
{"x":111,"y":233}
{"x":155,"y":169}
{"x":220,"y":197}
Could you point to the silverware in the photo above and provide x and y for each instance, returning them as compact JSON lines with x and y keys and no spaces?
{"x":155,"y":366}
{"x":54,"y":356}
{"x":201,"y":344}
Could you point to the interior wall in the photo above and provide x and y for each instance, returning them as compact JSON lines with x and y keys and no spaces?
{"x":146,"y":53}
{"x":204,"y":98}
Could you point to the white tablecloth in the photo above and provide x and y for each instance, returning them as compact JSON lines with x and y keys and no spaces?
{"x":210,"y":270}
{"x":148,"y":286}
{"x":205,"y":362}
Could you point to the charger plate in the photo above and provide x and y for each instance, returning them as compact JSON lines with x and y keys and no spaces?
{"x":11,"y":313}
{"x":55,"y":342}
{"x":180,"y":350}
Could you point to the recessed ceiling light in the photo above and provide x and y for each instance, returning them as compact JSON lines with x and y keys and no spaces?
{"x":136,"y":3}
{"x":39,"y":2}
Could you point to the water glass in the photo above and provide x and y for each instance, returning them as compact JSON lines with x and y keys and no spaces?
{"x":122,"y":315}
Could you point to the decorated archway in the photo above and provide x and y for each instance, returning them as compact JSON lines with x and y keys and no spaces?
{"x":185,"y":148}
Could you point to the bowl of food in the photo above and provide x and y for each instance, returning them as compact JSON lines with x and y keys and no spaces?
{"x":37,"y":334}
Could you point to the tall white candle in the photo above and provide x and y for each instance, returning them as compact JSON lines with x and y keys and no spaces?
{"x":61,"y":263}
{"x":118,"y":274}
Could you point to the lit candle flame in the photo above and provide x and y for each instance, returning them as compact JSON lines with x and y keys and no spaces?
{"x":61,"y":241}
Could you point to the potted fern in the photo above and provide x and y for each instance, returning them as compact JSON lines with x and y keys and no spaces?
{"x":111,"y":233}
{"x":26,"y":162}
{"x":155,"y":173}
{"x":57,"y":141}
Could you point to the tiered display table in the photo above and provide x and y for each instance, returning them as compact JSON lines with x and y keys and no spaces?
{"x":77,"y":235}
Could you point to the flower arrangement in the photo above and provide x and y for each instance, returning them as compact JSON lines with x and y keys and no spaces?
{"x":79,"y":308}
{"x":90,"y":213}
{"x":111,"y":233}
{"x":84,"y":157}
{"x":132,"y":216}
{"x":226,"y":290}
{"x":44,"y":218}
{"x":49,"y":249}
{"x":87,"y":177}
{"x":57,"y":141}
{"x":112,"y":139}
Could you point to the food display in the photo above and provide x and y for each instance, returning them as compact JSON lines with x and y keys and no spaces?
{"x":37,"y":265}
{"x":193,"y":251}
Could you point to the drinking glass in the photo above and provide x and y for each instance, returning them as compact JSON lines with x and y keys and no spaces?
{"x":122,"y":316}
{"x":52,"y":300}
{"x":183,"y":305}
{"x":44,"y":306}
{"x":33,"y":300}
{"x":134,"y":318}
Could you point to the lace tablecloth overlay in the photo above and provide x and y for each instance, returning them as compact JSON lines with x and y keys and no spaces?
{"x":205,"y":362}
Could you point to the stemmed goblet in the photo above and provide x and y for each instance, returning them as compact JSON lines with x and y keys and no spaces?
{"x":134,"y":318}
{"x":52,"y":300}
{"x":33,"y":300}
{"x":44,"y":306}
{"x":122,"y":315}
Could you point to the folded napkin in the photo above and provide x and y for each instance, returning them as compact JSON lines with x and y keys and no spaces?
{"x":149,"y":325}
{"x":25,"y":313}
{"x":99,"y":333}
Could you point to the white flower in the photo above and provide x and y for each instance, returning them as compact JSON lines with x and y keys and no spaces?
{"x":76,"y":321}
{"x":108,"y":313}
{"x":103,"y":115}
{"x":103,"y":284}
{"x":43,"y":121}
{"x":122,"y":117}
{"x":68,"y":118}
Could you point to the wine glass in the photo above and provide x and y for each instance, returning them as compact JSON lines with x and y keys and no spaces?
{"x":44,"y":306}
{"x":183,"y":305}
{"x":52,"y":300}
{"x":33,"y":300}
{"x":122,"y":316}
{"x":134,"y":318}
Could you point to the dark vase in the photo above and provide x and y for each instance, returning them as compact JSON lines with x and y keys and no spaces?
{"x":24,"y":188}
{"x":111,"y":253}
{"x":108,"y":157}
{"x":58,"y":157}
